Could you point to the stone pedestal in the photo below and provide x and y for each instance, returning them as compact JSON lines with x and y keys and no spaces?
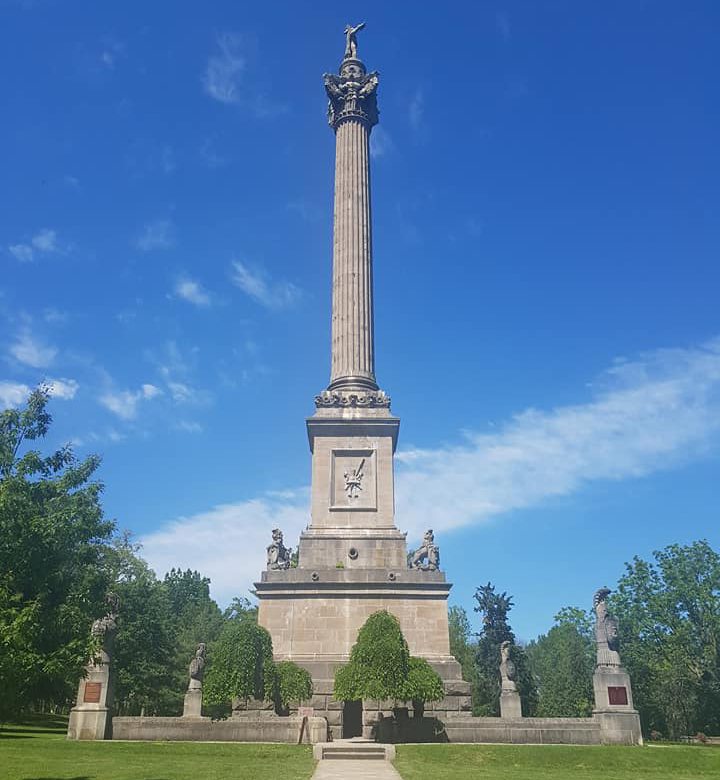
{"x":91,"y":717}
{"x":193,"y":703}
{"x":510,"y":706}
{"x":619,"y":721}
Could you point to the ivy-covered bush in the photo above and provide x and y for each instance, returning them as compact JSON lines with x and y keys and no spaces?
{"x":423,"y":684}
{"x":240,"y":664}
{"x":379,"y":662}
{"x":291,"y":683}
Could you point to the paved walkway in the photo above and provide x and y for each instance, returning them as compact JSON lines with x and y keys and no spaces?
{"x":349,"y":769}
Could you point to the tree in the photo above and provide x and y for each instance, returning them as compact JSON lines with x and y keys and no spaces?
{"x":52,"y":578}
{"x":494,"y":608}
{"x":461,"y":645}
{"x":291,"y":683}
{"x":669,"y":616}
{"x":562,"y":663}
{"x":379,"y":662}
{"x":423,"y":684}
{"x":240,"y":664}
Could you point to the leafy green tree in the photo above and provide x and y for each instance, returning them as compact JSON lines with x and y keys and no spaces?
{"x":52,"y":577}
{"x":562,"y":663}
{"x":379,"y":662}
{"x":423,"y":684}
{"x":291,"y":683}
{"x":494,"y":608}
{"x":669,"y":615}
{"x":240,"y":664}
{"x":461,"y":643}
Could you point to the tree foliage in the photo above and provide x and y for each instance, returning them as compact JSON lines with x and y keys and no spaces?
{"x":493,"y":608}
{"x":240,"y":664}
{"x":379,"y":662}
{"x":562,"y":663}
{"x":291,"y":683}
{"x":669,"y":615}
{"x":423,"y":684}
{"x":52,"y":574}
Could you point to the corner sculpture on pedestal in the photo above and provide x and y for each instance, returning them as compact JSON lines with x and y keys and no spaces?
{"x":510,"y":705}
{"x":352,"y":559}
{"x":193,"y":698}
{"x":427,"y":556}
{"x":91,"y":717}
{"x":278,"y":556}
{"x":611,"y":682}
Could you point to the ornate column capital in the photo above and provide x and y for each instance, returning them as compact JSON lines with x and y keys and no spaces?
{"x":352,"y":94}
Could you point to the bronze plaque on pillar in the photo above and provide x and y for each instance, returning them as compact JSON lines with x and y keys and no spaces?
{"x":92,"y":692}
{"x":617,"y":694}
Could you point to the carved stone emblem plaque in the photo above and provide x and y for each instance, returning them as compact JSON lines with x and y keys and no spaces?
{"x":92,"y":692}
{"x":353,"y":480}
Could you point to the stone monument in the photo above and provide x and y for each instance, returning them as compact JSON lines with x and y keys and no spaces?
{"x":193,"y":698}
{"x":352,"y":559}
{"x":510,"y":706}
{"x":611,"y":682}
{"x":91,"y":717}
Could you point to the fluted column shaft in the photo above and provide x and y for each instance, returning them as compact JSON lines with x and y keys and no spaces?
{"x":353,"y":360}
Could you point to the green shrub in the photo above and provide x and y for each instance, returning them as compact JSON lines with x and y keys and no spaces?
{"x":291,"y":683}
{"x":379,"y":662}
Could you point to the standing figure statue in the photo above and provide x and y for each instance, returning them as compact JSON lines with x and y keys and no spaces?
{"x":351,"y":40}
{"x":103,"y":630}
{"x":278,"y":556}
{"x":427,"y":556}
{"x":606,"y":631}
{"x":197,"y":668}
{"x":508,"y":671}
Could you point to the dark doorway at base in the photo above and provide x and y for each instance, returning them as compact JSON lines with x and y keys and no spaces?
{"x":352,"y":719}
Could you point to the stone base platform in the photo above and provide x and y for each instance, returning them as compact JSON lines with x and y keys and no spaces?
{"x":243,"y":729}
{"x":609,"y":728}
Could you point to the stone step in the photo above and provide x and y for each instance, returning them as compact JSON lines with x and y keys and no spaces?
{"x":353,"y":751}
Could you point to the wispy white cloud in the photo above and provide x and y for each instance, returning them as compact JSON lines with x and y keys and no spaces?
{"x":124,"y":403}
{"x":645,"y":415}
{"x":416,"y":110}
{"x":209,"y":541}
{"x":16,"y":393}
{"x":45,"y":241}
{"x":380,"y":142}
{"x":158,"y":234}
{"x":189,"y":426}
{"x":225,"y":68}
{"x":192,"y":292}
{"x":12,"y":394}
{"x":256,"y":284}
{"x":64,"y":389}
{"x":31,"y":352}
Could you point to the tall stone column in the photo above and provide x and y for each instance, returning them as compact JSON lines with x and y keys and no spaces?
{"x":352,"y":113}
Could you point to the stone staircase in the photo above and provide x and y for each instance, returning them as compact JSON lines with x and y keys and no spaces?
{"x":353,"y":750}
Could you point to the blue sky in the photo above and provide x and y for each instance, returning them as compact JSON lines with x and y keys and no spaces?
{"x":546,"y":198}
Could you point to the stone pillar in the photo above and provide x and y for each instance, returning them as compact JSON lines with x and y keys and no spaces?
{"x":352,"y":114}
{"x":510,"y":706}
{"x":619,"y":720}
{"x":192,"y":707}
{"x":91,"y":717}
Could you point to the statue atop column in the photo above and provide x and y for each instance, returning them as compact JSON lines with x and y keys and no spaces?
{"x":197,"y":668}
{"x":278,"y":556}
{"x":104,"y":629}
{"x":606,"y":631}
{"x":427,"y":556}
{"x":351,"y":40}
{"x":508,"y":671}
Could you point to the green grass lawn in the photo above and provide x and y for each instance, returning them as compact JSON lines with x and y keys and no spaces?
{"x":557,"y":762}
{"x":38,"y":750}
